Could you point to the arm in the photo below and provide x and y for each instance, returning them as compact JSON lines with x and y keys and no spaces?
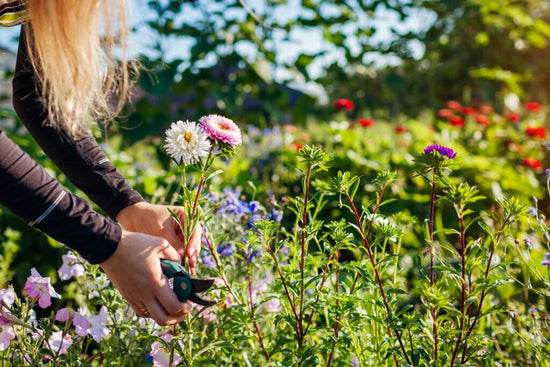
{"x":130,"y":260}
{"x":87,"y":167}
{"x":30,"y":193}
{"x":81,"y":160}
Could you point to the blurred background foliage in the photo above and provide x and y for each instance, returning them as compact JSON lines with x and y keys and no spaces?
{"x":271,"y":62}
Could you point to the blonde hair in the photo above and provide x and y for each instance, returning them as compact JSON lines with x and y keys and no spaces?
{"x":72,"y":46}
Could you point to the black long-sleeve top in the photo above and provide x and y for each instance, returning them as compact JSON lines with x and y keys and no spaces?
{"x":28,"y":191}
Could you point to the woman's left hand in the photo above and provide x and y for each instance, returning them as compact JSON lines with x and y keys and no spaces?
{"x":156,"y":220}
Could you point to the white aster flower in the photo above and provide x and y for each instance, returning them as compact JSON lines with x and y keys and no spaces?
{"x":186,"y":142}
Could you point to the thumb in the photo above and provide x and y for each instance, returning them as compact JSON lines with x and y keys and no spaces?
{"x":175,"y":242}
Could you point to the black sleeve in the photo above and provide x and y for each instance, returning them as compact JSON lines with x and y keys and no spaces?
{"x":81,"y":160}
{"x":29,"y":192}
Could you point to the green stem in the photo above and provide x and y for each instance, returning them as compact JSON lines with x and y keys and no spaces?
{"x":252,"y":315}
{"x":374,"y":264}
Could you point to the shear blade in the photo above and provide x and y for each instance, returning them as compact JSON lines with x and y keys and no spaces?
{"x":201,"y":285}
{"x":200,"y":301}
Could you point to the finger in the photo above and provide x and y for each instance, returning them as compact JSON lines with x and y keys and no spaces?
{"x":168,"y":252}
{"x":161,"y":316}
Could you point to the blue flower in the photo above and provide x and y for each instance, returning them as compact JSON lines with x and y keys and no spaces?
{"x":276,"y":215}
{"x":253,"y":206}
{"x":253,"y":219}
{"x":226,"y":249}
{"x":207,"y":260}
{"x":252,"y":254}
{"x":443,"y":151}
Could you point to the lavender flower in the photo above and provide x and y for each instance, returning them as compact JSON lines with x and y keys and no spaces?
{"x":71,"y":267}
{"x":443,"y":151}
{"x":39,"y":287}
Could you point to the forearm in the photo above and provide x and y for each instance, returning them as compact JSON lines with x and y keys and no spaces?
{"x":81,"y":160}
{"x":30,"y":193}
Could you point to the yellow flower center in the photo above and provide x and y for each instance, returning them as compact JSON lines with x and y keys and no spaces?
{"x":188,"y":136}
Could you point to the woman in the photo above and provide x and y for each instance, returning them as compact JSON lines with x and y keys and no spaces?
{"x":67,"y":75}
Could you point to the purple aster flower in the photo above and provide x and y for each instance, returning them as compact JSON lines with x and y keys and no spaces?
{"x":545,"y":263}
{"x":221,"y":129}
{"x":533,"y":311}
{"x":40,"y":287}
{"x":71,"y":267}
{"x":443,"y":151}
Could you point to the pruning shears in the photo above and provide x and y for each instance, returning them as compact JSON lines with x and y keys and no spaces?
{"x":185,"y":287}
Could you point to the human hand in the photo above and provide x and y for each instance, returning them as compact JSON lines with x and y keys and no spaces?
{"x":156,"y":220}
{"x":135,"y":270}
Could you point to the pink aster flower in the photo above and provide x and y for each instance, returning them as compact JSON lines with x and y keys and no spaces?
{"x":71,"y":267}
{"x":221,"y":129}
{"x":40,"y":287}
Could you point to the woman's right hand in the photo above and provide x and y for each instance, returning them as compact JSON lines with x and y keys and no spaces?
{"x":135,"y":270}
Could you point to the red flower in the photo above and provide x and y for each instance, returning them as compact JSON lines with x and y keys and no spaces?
{"x":486,"y":110}
{"x":531,"y":162}
{"x":468,"y":110}
{"x":365,"y":122}
{"x":532,"y":106}
{"x":482,"y":120}
{"x":512,"y":116}
{"x":400,"y":129}
{"x":453,"y":105}
{"x":295,"y":146}
{"x":456,"y":121}
{"x":343,"y":103}
{"x":445,"y":113}
{"x":536,"y":132}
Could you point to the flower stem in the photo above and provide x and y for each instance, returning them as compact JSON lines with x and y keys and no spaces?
{"x":374,"y":212}
{"x":483,"y":291}
{"x":219,"y":267}
{"x":463,"y":289}
{"x":303,"y":255}
{"x":378,"y":278}
{"x":252,"y":317}
{"x":432,"y":272}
